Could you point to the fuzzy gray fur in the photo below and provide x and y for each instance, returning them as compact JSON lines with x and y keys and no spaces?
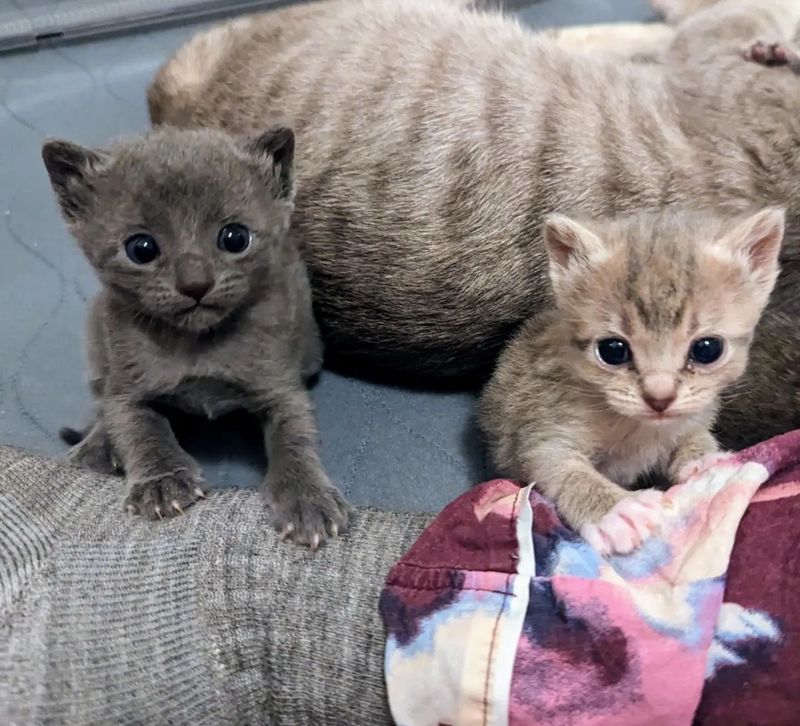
{"x":250,"y":342}
{"x":434,"y":140}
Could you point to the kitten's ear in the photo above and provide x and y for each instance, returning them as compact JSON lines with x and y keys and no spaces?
{"x":571,"y":249}
{"x":70,"y":167}
{"x":277,"y":146}
{"x":757,"y":242}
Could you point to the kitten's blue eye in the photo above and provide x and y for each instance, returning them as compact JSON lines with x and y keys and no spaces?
{"x":706,"y":351}
{"x":233,"y":238}
{"x":141,"y":249}
{"x":614,"y":351}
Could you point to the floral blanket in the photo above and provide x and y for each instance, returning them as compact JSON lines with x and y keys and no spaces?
{"x":499,"y":614}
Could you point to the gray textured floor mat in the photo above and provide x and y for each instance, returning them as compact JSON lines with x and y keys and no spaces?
{"x":384,"y":446}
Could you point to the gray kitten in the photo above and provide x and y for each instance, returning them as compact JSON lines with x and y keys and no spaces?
{"x":206,"y":306}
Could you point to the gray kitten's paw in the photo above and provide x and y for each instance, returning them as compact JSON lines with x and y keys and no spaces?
{"x":308,"y":514}
{"x":94,"y":453}
{"x":165,"y":496}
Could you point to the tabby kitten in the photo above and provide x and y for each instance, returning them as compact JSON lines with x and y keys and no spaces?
{"x":653,"y":320}
{"x":205,"y":305}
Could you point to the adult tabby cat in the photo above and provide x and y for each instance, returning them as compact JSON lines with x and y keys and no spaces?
{"x":434,"y":140}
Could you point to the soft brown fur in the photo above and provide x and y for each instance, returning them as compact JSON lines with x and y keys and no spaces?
{"x":556,"y":414}
{"x":434,"y":139}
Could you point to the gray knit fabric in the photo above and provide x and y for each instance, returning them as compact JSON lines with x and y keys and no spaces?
{"x":204,"y":619}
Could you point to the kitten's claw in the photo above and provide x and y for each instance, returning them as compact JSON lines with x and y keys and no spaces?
{"x":772,"y":54}
{"x":308,"y":514}
{"x":628,"y":525}
{"x":165,"y":496}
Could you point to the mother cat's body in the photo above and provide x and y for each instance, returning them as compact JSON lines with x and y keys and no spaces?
{"x":434,"y":139}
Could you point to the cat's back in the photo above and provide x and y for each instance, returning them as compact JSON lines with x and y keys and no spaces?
{"x":267,"y":56}
{"x":430,"y":139}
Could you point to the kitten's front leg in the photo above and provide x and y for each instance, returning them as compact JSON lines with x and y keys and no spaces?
{"x":91,"y":449}
{"x":306,"y":506}
{"x":694,"y":453}
{"x":163,"y":478}
{"x":608,"y":517}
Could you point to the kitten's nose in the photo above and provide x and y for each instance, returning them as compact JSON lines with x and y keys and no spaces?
{"x":193,"y":276}
{"x":659,"y":391}
{"x":659,"y":405}
{"x":196,"y":289}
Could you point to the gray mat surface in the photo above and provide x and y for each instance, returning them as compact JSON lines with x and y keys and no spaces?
{"x":384,"y":446}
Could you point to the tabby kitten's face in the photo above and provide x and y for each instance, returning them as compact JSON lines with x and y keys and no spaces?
{"x":181,"y":225}
{"x":660,"y":310}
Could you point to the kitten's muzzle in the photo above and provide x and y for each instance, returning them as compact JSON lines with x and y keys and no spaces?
{"x":195,"y":289}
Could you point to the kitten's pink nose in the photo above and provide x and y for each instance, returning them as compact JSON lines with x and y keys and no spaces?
{"x":659,"y":391}
{"x":659,"y":405}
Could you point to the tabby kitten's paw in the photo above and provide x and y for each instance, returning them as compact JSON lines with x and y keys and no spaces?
{"x":773,"y":54}
{"x":630,"y":522}
{"x":308,"y":514}
{"x":165,"y":496}
{"x":695,"y":468}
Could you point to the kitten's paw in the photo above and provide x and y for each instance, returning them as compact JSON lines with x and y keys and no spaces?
{"x":772,"y":54}
{"x":165,"y":496}
{"x":308,"y":514}
{"x":631,"y":521}
{"x":699,"y":466}
{"x":94,"y":453}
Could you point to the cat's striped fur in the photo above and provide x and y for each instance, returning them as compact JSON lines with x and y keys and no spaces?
{"x":433,"y":139}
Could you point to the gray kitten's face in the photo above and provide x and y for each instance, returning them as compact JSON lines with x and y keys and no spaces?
{"x":182,"y":225}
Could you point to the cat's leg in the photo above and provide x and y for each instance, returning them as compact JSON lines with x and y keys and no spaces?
{"x":163,"y":478}
{"x":91,"y":449}
{"x":306,"y":507}
{"x":731,"y":23}
{"x":693,"y":453}
{"x":630,"y":41}
{"x":610,"y":518}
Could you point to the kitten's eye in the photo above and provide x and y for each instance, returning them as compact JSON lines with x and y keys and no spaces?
{"x":614,"y":351}
{"x":233,"y":238}
{"x":706,"y":351}
{"x":141,"y":249}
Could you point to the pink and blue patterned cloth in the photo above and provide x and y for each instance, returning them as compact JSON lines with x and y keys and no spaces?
{"x":499,"y":614}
